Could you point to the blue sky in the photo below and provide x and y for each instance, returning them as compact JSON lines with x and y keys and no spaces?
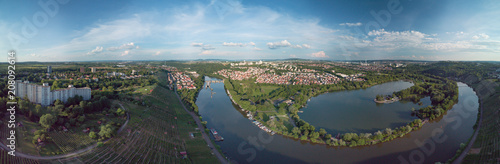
{"x":70,"y":30}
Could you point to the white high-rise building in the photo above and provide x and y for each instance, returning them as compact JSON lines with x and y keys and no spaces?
{"x":49,"y":69}
{"x":41,"y":94}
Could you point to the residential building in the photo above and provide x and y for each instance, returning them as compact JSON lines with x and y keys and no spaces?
{"x":41,"y":94}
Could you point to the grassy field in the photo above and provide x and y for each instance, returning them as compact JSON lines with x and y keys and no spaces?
{"x":24,"y":136}
{"x":144,"y":90}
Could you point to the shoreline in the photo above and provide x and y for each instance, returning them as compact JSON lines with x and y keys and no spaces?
{"x":259,"y":124}
{"x":387,"y":101}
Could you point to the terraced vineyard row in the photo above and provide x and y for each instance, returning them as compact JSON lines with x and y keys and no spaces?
{"x":486,"y":148}
{"x":153,"y":140}
{"x":69,"y":141}
{"x":490,"y":145}
{"x":6,"y":158}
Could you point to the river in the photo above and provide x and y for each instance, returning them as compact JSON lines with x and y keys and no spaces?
{"x":246,"y":143}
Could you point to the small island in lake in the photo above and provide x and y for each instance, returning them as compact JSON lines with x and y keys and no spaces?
{"x":386,"y":99}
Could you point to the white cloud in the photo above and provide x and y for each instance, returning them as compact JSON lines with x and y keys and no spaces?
{"x":157,"y":53}
{"x":275,"y":45}
{"x":293,"y":56}
{"x":320,"y":54}
{"x":121,"y":29}
{"x":480,"y":36}
{"x":34,"y":55}
{"x":285,"y":43}
{"x":124,"y":53}
{"x":257,"y":49}
{"x":207,"y":52}
{"x":126,"y":46}
{"x":306,"y":46}
{"x":207,"y":47}
{"x":351,"y":24}
{"x":196,"y":44}
{"x":95,"y":51}
{"x":172,"y":30}
{"x":231,"y":44}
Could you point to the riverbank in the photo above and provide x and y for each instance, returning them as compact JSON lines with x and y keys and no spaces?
{"x":488,"y":92}
{"x":249,"y":115}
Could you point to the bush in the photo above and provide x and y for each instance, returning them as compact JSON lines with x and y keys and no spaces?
{"x":99,"y":144}
{"x":92,"y":135}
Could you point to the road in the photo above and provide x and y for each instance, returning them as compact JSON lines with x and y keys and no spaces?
{"x":205,"y":136}
{"x":473,"y":139}
{"x":75,"y":153}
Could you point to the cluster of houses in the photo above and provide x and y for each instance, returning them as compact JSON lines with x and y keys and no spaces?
{"x":180,"y":80}
{"x":312,"y":78}
{"x":275,"y":79}
{"x":169,"y":68}
{"x":298,"y":78}
{"x":353,"y":77}
{"x":301,"y":77}
{"x":365,"y":66}
{"x":240,"y":75}
{"x":247,"y":63}
{"x":325,"y":66}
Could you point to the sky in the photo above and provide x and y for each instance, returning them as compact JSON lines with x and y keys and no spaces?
{"x":71,"y":30}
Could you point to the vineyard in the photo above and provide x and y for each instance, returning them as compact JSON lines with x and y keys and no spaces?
{"x":155,"y":134}
{"x":6,"y":158}
{"x":158,"y":135}
{"x":69,"y":141}
{"x":486,"y":148}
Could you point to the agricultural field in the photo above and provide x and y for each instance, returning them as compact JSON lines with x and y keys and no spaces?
{"x":486,"y":148}
{"x":71,"y":141}
{"x":6,"y":158}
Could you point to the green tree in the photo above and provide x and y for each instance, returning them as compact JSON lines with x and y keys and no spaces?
{"x":107,"y":131}
{"x":120,"y":112}
{"x":47,"y":120}
{"x":322,"y":132}
{"x":295,"y":130}
{"x":347,"y":137}
{"x":388,"y":131}
{"x":92,"y":135}
{"x":81,"y":119}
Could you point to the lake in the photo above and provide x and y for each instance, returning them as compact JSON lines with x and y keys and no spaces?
{"x":435,"y":141}
{"x":355,"y":110}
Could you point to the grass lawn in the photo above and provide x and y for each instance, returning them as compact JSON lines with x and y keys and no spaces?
{"x":144,"y":90}
{"x":25,"y":136}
